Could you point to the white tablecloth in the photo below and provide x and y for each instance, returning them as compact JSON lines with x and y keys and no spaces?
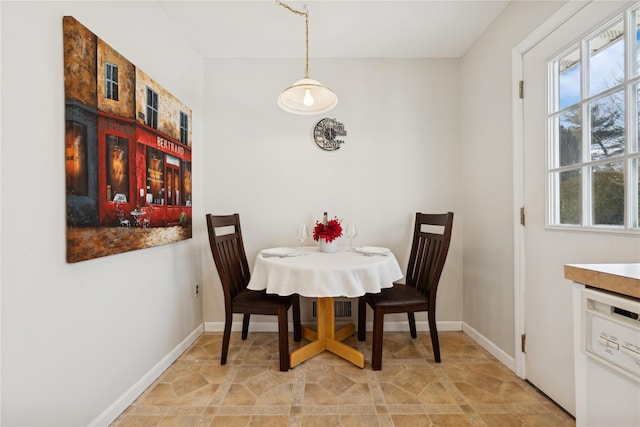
{"x":317,"y":274}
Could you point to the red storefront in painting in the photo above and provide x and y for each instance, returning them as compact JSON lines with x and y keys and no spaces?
{"x":140,"y":170}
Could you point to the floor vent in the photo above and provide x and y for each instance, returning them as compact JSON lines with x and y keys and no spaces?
{"x":342,"y":309}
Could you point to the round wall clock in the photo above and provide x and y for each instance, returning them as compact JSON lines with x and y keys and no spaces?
{"x":325,"y":133}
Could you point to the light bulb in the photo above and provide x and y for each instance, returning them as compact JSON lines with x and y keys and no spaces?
{"x":308,"y":99}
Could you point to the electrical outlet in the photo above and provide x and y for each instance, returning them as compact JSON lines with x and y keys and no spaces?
{"x":197,"y":289}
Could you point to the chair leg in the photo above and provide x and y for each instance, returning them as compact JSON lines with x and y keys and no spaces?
{"x":226,"y":336}
{"x":434,"y":335}
{"x":297,"y":328}
{"x":245,"y":326}
{"x":283,"y":339}
{"x":412,"y":324}
{"x":378,"y":330}
{"x":362,"y":319}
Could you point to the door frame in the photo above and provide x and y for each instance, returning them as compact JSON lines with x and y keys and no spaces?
{"x":517,"y":71}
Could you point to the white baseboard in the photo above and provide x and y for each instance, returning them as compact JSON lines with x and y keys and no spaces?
{"x":394,"y":326}
{"x":488,"y":345}
{"x":123,"y":402}
{"x":421,"y":326}
{"x":388,"y":326}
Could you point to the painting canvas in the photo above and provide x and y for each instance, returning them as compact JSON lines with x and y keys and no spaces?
{"x":127,"y":153}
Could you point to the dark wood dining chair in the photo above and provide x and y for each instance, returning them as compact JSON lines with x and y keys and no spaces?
{"x":227,"y":247}
{"x":426,"y":261}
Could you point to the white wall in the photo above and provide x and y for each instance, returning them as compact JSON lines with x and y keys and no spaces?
{"x":401,"y":155}
{"x":76,"y":337}
{"x":487,"y":165}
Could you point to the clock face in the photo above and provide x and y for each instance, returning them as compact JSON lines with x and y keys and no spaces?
{"x":325,"y":133}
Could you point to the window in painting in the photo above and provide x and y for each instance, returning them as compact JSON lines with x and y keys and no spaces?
{"x":117,"y":167}
{"x":76,"y":158}
{"x":184,"y":128}
{"x":155,"y":175}
{"x":173,"y":181}
{"x":152,"y":108}
{"x":111,"y":81}
{"x":186,"y":183}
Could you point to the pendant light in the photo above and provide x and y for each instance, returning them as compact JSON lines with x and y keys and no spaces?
{"x":306,"y":96}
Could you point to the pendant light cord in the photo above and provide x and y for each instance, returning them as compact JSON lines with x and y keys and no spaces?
{"x":306,"y":19}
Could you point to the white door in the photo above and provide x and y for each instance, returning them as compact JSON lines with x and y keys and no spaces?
{"x":547,"y":296}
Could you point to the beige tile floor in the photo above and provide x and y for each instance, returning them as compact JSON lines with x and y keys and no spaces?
{"x":469,"y":388}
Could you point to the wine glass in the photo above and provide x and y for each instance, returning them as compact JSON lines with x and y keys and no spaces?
{"x":351,"y":232}
{"x":302,"y":233}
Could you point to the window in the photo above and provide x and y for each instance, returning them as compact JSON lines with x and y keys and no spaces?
{"x":184,"y":128}
{"x":186,"y":183}
{"x":155,"y":175}
{"x":117,"y":167}
{"x":77,"y":169}
{"x":111,"y":81}
{"x":593,"y":160}
{"x":152,"y":108}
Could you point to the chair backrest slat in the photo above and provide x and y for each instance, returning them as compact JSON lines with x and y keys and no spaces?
{"x":429,"y":252}
{"x":228,"y":253}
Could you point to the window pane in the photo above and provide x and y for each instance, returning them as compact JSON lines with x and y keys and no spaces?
{"x":606,"y":67}
{"x":570,"y":134}
{"x":635,"y":19}
{"x":636,"y":168}
{"x":569,"y":79}
{"x":607,"y":182}
{"x":570,"y":197}
{"x":607,"y":126}
{"x":637,"y":145}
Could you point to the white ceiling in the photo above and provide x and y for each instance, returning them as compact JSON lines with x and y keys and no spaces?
{"x":337,"y":29}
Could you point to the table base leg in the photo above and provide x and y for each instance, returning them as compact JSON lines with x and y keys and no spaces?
{"x":346,"y":352}
{"x":342,"y":333}
{"x":309,"y":334}
{"x":327,"y":338}
{"x":345,"y":332}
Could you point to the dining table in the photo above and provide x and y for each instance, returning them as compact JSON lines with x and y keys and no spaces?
{"x":308,"y":272}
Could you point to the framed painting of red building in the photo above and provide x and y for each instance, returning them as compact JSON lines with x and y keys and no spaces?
{"x":127,"y":153}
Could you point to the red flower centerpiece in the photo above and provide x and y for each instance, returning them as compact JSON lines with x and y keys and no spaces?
{"x":327,"y":232}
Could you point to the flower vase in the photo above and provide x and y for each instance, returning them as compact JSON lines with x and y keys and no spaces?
{"x":328,"y":246}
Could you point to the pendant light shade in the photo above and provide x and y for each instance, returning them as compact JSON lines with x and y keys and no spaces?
{"x":306,"y":96}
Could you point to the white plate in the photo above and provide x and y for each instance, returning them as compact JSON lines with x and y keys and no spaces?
{"x":372,"y":250}
{"x":278,"y":251}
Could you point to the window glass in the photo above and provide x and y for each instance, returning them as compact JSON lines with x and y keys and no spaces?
{"x":606,"y":64}
{"x":635,"y":23}
{"x":569,"y":79}
{"x":607,"y":126}
{"x":608,"y":193}
{"x":570,"y":135}
{"x":570,"y":196}
{"x":636,"y":169}
{"x":636,"y":91}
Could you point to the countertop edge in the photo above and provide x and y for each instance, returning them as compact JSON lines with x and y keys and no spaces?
{"x":623,"y":279}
